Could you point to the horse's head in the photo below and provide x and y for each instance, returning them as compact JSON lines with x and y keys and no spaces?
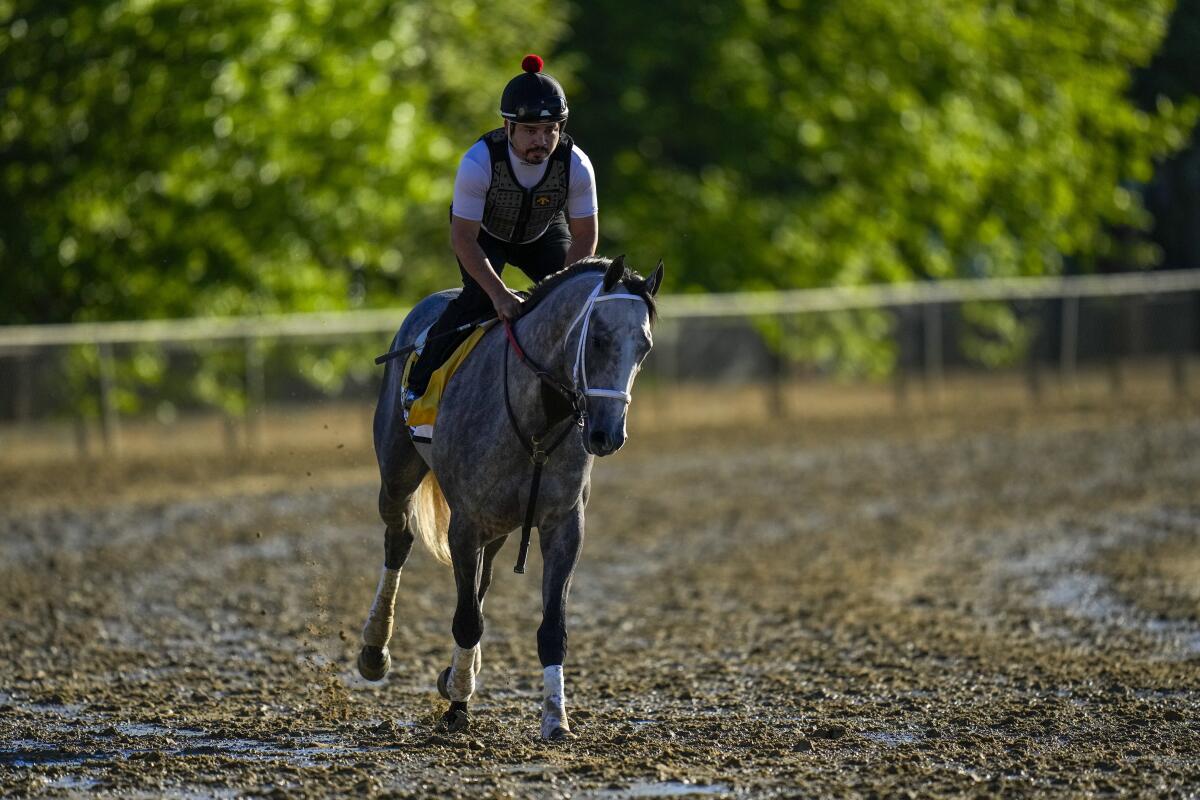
{"x":614,"y":337}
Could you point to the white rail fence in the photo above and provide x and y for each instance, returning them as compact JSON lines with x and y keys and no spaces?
{"x":18,"y":341}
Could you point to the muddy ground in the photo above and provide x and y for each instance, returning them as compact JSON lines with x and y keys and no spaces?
{"x":929,"y":605}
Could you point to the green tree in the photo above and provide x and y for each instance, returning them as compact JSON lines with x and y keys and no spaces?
{"x":1173,"y":197}
{"x":164,"y":158}
{"x":792,"y":143}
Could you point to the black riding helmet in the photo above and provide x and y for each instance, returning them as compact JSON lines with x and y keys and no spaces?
{"x":533,"y":96}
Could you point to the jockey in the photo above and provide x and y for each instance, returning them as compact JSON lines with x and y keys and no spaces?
{"x":524,"y":195}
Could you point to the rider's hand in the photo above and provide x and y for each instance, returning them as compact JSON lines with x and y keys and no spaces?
{"x":508,"y":305}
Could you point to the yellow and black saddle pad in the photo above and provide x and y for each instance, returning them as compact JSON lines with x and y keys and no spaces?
{"x":422,"y":417}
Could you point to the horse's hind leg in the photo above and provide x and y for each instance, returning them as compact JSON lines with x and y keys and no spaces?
{"x":395,"y":507}
{"x":374,"y":660}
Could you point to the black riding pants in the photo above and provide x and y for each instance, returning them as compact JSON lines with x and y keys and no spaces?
{"x":537,"y":259}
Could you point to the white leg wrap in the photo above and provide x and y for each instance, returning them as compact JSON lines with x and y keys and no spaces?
{"x":554,"y":701}
{"x":378,"y":630}
{"x":463,"y":666}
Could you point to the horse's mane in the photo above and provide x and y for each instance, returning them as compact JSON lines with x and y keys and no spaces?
{"x":634,"y":283}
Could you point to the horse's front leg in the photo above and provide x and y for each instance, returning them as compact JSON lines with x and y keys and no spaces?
{"x":485,"y":580}
{"x":561,"y":547}
{"x":489,"y":554}
{"x":457,"y":682}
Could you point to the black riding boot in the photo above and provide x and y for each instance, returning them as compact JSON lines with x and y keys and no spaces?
{"x":439,"y":344}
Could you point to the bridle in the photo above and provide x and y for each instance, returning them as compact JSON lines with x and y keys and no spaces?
{"x":579,"y":372}
{"x":576,"y":396}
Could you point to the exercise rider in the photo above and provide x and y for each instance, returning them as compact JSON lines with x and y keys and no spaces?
{"x":524,"y":195}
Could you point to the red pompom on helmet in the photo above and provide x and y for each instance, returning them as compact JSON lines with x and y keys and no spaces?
{"x":533,"y":96}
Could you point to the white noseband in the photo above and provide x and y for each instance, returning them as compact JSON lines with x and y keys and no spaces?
{"x":579,"y":374}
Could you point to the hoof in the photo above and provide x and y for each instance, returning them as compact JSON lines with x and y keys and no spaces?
{"x":559,"y":734}
{"x":456,"y":720}
{"x":374,"y":662}
{"x":444,"y":684}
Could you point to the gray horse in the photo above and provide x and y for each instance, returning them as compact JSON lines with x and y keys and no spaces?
{"x":523,"y":391}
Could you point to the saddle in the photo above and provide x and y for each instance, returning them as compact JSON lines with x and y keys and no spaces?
{"x":422,"y":416}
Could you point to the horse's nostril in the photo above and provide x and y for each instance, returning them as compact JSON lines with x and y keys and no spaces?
{"x":600,"y":441}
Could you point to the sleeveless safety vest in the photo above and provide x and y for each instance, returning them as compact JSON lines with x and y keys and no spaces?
{"x":516,"y":214}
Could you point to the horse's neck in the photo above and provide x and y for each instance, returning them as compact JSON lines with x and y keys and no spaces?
{"x":544,"y":330}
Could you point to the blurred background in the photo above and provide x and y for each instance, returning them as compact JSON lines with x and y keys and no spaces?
{"x":213,"y":215}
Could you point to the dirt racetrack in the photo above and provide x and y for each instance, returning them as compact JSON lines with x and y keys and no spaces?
{"x":930,"y":605}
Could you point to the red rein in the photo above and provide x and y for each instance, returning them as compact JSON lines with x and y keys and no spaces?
{"x":512,"y":340}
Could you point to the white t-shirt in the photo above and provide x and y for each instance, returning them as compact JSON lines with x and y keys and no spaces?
{"x":475,"y":176}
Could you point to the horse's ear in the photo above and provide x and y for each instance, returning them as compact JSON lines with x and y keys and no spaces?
{"x":616,"y":271}
{"x":655,"y":280}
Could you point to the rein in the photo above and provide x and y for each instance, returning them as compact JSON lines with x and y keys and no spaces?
{"x":533,"y":445}
{"x":576,"y":398}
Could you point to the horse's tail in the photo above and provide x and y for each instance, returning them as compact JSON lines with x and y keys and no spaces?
{"x":431,"y":518}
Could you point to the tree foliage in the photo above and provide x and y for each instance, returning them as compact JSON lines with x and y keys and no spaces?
{"x":170,"y":158}
{"x":1173,"y":197}
{"x":790,"y":143}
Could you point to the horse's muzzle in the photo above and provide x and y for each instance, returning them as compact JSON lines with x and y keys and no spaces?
{"x":602,"y":443}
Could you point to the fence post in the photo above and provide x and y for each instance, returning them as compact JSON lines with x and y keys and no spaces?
{"x":1069,"y":342}
{"x":900,"y":328}
{"x":1034,"y":367}
{"x":255,"y":392}
{"x":1118,"y":341}
{"x":23,"y":402}
{"x":933,"y":352}
{"x":80,"y":433}
{"x":109,"y":420}
{"x":779,"y":369}
{"x":229,"y":427}
{"x":1180,"y":348}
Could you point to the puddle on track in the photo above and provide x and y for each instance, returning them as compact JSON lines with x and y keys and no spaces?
{"x":29,"y":753}
{"x":660,"y":789}
{"x":1057,"y":577}
{"x":298,"y":752}
{"x":891,"y":738}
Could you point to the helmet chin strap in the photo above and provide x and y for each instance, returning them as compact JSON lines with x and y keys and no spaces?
{"x":514,"y":151}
